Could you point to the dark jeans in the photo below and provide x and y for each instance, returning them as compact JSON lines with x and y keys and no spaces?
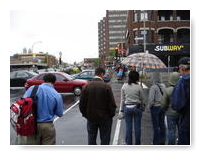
{"x":131,"y":113}
{"x":183,"y":137}
{"x":159,"y":129}
{"x":172,"y":123}
{"x":105,"y":131}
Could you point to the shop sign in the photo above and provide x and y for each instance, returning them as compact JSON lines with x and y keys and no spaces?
{"x":169,"y":48}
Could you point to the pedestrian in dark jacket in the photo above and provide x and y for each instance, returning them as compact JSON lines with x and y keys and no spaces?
{"x":97,"y":105}
{"x":180,"y":100}
{"x":172,"y":115}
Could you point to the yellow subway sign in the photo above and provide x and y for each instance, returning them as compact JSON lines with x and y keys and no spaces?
{"x":169,"y":48}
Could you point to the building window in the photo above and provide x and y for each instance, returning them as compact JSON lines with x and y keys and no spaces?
{"x":151,"y":15}
{"x":143,"y":15}
{"x":165,"y":36}
{"x":135,"y":16}
{"x":165,"y":15}
{"x":183,"y":36}
{"x":183,"y":14}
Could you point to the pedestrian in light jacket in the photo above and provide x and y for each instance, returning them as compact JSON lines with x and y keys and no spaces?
{"x":97,"y":105}
{"x":132,"y":104}
{"x":172,"y":116}
{"x":157,"y":111}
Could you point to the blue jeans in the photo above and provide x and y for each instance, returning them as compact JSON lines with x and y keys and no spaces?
{"x":105,"y":131}
{"x":183,"y":137}
{"x":172,"y":123}
{"x":159,"y":129}
{"x":131,"y":113}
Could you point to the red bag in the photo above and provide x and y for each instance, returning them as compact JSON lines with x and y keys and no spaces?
{"x":23,"y":115}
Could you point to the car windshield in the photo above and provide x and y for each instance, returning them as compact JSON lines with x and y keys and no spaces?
{"x":69,"y":77}
{"x":32,"y":73}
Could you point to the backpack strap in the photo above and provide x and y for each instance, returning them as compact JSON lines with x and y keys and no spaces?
{"x":160,"y":89}
{"x":34,"y":91}
{"x":33,"y":96}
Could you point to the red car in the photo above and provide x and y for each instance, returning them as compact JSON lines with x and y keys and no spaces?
{"x":64,"y":83}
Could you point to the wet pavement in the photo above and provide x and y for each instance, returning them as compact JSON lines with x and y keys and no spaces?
{"x":71,"y":128}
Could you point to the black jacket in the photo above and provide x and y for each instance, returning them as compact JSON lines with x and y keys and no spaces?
{"x":97,"y":102}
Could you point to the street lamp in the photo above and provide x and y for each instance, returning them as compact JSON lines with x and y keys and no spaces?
{"x":35,"y":44}
{"x":34,"y":56}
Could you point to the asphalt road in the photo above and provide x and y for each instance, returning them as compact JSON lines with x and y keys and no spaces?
{"x":71,"y":128}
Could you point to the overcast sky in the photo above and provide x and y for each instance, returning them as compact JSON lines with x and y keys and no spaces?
{"x":73,"y":32}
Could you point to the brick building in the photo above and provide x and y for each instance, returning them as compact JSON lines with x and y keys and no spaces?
{"x":165,"y":33}
{"x":103,"y":41}
{"x":32,"y":60}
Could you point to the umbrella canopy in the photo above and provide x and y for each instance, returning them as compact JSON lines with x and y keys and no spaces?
{"x":143,"y":60}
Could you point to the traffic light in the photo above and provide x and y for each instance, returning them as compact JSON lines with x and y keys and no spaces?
{"x":60,"y":61}
{"x":116,"y":52}
{"x":140,"y":48}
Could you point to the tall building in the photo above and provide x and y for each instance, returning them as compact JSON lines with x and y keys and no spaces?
{"x":116,"y":27}
{"x":165,"y":33}
{"x":111,"y":32}
{"x":103,"y":40}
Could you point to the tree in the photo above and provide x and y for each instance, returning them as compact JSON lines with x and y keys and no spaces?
{"x":96,"y":62}
{"x":111,"y":53}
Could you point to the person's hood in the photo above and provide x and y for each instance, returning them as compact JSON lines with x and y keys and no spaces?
{"x":155,"y":77}
{"x":173,"y":78}
{"x":186,"y":77}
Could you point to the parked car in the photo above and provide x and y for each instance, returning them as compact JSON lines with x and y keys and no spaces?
{"x":64,"y":83}
{"x":45,"y":70}
{"x":18,"y":78}
{"x":41,"y":71}
{"x":89,"y":75}
{"x":85,"y":74}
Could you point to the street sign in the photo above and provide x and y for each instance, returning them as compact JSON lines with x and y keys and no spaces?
{"x":138,"y":38}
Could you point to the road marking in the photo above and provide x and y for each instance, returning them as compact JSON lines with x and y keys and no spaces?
{"x":16,"y":88}
{"x":67,"y":110}
{"x":143,"y":85}
{"x":117,"y":131}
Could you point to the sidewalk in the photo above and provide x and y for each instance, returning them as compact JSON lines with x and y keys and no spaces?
{"x":147,"y":132}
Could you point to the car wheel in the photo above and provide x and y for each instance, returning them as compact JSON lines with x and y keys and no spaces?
{"x":77,"y":91}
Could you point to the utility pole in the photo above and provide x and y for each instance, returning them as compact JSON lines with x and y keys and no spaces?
{"x":144,"y":27}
